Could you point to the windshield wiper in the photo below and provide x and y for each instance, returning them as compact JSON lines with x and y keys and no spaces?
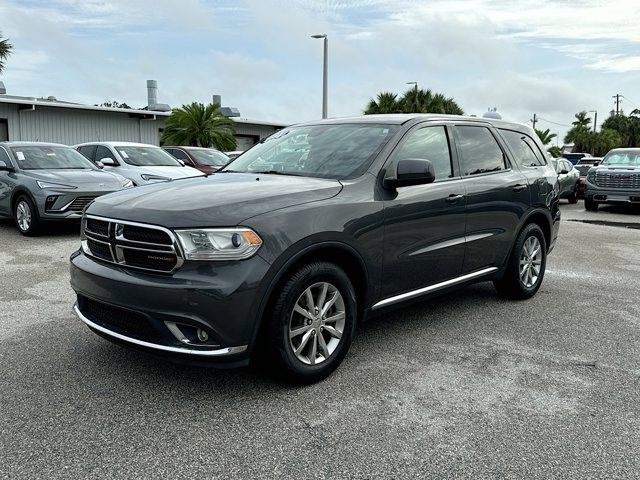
{"x":275,"y":172}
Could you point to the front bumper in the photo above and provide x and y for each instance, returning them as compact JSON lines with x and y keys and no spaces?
{"x":68,"y":204}
{"x":610,"y":195}
{"x":141,"y":310}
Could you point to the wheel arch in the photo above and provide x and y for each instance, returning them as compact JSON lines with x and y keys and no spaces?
{"x":340,"y":253}
{"x":17,"y":193}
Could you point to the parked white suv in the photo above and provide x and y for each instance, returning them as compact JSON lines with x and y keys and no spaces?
{"x":139,"y":162}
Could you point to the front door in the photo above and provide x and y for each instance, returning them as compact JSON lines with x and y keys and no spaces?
{"x":497,"y":197}
{"x":424,"y":224}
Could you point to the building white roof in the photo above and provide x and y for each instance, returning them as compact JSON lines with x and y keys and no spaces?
{"x":35,"y":102}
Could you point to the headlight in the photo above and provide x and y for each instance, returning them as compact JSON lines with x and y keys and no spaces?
{"x":591,"y":177}
{"x":219,"y":243}
{"x":127,"y":183}
{"x":42,"y":184}
{"x":154,"y":178}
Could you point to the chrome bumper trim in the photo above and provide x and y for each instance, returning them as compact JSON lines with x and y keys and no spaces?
{"x":432,"y":288}
{"x":219,"y":352}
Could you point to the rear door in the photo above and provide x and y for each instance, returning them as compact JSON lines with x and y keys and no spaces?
{"x":532,"y":163}
{"x":424,"y":224}
{"x":497,"y":196}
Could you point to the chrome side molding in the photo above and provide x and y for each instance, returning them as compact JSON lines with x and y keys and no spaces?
{"x":432,"y":288}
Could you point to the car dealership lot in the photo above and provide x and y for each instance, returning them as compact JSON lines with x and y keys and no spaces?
{"x":467,"y":385}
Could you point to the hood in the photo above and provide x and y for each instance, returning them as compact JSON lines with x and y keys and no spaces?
{"x":616,"y":169}
{"x":77,"y":178}
{"x":218,"y":200}
{"x":169,"y":172}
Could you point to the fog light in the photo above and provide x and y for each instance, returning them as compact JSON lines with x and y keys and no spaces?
{"x":202,"y":335}
{"x":48,"y":204}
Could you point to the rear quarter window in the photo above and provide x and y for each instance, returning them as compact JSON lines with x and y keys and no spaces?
{"x":527,"y":153}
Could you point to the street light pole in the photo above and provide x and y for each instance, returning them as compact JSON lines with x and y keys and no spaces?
{"x":595,"y":119}
{"x":325,"y":69}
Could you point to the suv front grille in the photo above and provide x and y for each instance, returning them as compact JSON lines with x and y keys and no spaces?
{"x":119,"y":320}
{"x":618,"y":180}
{"x":129,"y":244}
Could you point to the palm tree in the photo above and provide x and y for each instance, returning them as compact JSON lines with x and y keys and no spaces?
{"x":386,"y":102}
{"x":545,"y":136}
{"x":582,"y":120}
{"x":414,"y":100}
{"x":5,"y":51}
{"x":198,"y":125}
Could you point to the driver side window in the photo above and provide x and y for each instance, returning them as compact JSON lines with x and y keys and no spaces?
{"x":428,"y":143}
{"x":104,"y":152}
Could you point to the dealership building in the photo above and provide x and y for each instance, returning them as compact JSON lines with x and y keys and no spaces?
{"x":50,"y":120}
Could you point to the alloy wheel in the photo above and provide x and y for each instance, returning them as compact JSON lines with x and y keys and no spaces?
{"x":317,"y":323}
{"x":530,"y":261}
{"x":23,"y":215}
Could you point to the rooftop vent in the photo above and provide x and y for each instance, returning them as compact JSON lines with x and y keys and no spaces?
{"x":152,"y":98}
{"x":492,"y":113}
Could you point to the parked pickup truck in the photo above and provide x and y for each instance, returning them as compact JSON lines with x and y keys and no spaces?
{"x":615,"y":180}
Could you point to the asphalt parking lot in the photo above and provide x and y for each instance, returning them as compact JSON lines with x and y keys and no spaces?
{"x":465,"y":386}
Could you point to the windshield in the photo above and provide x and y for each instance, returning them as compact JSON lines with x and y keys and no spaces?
{"x":209,"y":157}
{"x":622,"y":158}
{"x":45,"y":157}
{"x":147,"y":157}
{"x":324,"y":151}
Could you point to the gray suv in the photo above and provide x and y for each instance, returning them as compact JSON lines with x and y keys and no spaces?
{"x":616,"y":180}
{"x":46,"y":181}
{"x":311,"y":231}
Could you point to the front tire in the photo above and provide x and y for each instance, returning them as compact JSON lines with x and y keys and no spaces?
{"x":526,"y":266}
{"x":590,"y":205}
{"x":573,"y":198}
{"x":312,"y":322}
{"x":26,"y":217}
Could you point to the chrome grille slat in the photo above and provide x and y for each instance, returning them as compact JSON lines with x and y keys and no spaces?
{"x":163,"y":257}
{"x":618,"y":180}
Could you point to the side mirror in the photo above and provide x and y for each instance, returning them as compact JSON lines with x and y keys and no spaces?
{"x":412,"y":171}
{"x":5,"y":168}
{"x":108,"y":162}
{"x":564,"y":171}
{"x":181,"y":162}
{"x":99,"y":164}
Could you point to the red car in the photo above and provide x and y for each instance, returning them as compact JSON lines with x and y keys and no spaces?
{"x":583,"y":167}
{"x":207,"y":160}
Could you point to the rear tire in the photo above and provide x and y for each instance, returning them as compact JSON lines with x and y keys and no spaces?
{"x":590,"y":205}
{"x":26,"y":217}
{"x":308,"y":335}
{"x":573,"y":198}
{"x":526,"y":265}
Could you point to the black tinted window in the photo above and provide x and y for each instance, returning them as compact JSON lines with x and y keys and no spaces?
{"x":431,"y":144}
{"x":88,"y":151}
{"x":104,"y":152}
{"x":523,"y":149}
{"x":179,"y":154}
{"x":479,"y":149}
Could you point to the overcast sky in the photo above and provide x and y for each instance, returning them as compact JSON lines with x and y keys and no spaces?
{"x":552,"y":57}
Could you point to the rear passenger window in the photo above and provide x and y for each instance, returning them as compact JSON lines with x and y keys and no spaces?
{"x":429,"y":143}
{"x":523,"y":148}
{"x":479,"y":150}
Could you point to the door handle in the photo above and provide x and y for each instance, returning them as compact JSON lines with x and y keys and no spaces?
{"x":520,"y":188}
{"x":453,"y":198}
